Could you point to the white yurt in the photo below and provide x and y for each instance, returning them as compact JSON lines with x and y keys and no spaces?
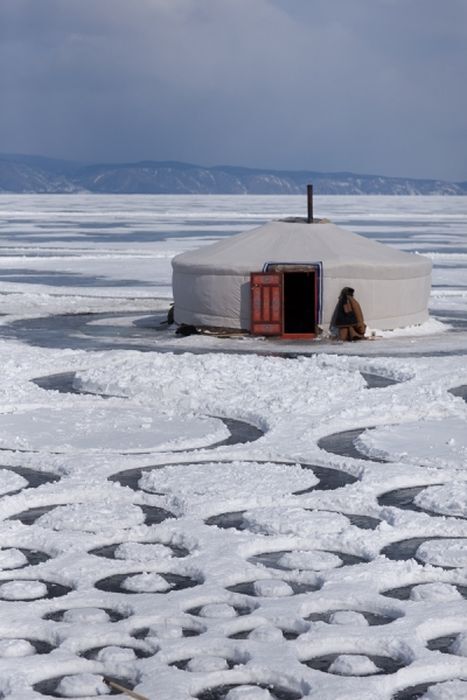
{"x":284,"y":278}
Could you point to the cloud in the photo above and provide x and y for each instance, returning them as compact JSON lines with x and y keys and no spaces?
{"x":326,"y":84}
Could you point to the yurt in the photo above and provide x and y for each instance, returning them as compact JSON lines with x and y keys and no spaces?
{"x":284,"y":279}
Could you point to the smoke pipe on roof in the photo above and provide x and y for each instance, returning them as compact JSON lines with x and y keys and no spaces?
{"x":309,"y":192}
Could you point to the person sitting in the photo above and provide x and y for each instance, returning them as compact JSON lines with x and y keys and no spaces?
{"x":348,"y":316}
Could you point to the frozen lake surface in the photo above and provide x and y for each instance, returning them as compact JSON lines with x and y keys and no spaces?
{"x":225,"y":519}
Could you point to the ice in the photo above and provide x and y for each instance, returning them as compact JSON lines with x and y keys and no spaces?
{"x":22,"y":590}
{"x":12,"y":559}
{"x":206,"y":664}
{"x":142,"y":552}
{"x":85,"y":615}
{"x":9,"y":481}
{"x":434,"y":592}
{"x":429,"y":442}
{"x":272,"y":588}
{"x":146,"y":583}
{"x":13,"y":648}
{"x":92,"y":517}
{"x":449,"y":690}
{"x":459,"y":645}
{"x":82,"y":684}
{"x":311,"y":560}
{"x":248,"y":692}
{"x":104,"y":262}
{"x":266,"y":633}
{"x":109,"y":428}
{"x":448,"y":499}
{"x":219,"y":480}
{"x":275,"y":521}
{"x":218,"y":610}
{"x":348,"y":617}
{"x":443,"y":552}
{"x":353,"y":665}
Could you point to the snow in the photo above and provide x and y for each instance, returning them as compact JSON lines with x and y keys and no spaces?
{"x":150,"y":434}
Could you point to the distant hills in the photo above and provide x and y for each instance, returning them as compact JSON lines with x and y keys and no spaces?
{"x":36,"y":174}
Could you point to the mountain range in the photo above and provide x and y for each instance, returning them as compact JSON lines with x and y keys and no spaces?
{"x":37,"y":174}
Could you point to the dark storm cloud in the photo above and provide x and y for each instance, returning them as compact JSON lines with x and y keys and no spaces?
{"x":364,"y":85}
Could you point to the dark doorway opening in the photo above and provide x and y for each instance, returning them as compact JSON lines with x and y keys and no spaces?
{"x":299,"y":302}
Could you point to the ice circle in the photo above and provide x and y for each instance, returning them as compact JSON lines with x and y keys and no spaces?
{"x":444,"y":552}
{"x":12,"y":558}
{"x":448,"y":499}
{"x":313,"y":560}
{"x":434,"y":443}
{"x":10,"y":648}
{"x":146,"y":583}
{"x":22,"y":590}
{"x":436,"y":591}
{"x":353,"y":665}
{"x":294,"y":521}
{"x":82,"y":684}
{"x":214,"y":479}
{"x":10,"y":481}
{"x":92,"y":517}
{"x":84,"y":428}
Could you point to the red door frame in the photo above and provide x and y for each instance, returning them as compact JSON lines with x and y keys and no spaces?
{"x":267,"y":304}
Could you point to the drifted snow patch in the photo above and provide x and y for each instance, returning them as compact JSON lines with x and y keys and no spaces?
{"x":353,"y":665}
{"x":449,"y":499}
{"x":294,"y":521}
{"x":105,"y":428}
{"x":437,"y":443}
{"x":201,"y":481}
{"x":92,"y":517}
{"x":82,"y":684}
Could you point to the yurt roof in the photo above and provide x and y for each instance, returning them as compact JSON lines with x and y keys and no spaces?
{"x":341,"y":251}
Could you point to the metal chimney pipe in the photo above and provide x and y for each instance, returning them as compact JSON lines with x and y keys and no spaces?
{"x":309,"y":191}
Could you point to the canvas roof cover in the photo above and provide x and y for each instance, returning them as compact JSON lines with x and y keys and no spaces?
{"x":210,"y":283}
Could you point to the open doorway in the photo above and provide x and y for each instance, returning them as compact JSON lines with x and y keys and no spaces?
{"x":299,"y":303}
{"x":286,"y":300}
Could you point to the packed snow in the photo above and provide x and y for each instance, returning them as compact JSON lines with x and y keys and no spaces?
{"x":146,"y":539}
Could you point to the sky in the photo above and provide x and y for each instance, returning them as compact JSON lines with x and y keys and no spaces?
{"x":369,"y":86}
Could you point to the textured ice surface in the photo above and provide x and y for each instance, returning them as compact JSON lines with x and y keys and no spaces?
{"x":459,"y":645}
{"x":115,"y":252}
{"x":85,"y":615}
{"x":313,"y":560}
{"x":449,"y":499}
{"x":146,"y":583}
{"x":218,"y":610}
{"x":429,"y":442}
{"x":206,"y":664}
{"x":104,"y":428}
{"x":443,"y":552}
{"x":275,"y":521}
{"x":272,"y":587}
{"x":22,"y":590}
{"x":353,"y":665}
{"x":10,"y":648}
{"x":248,"y":692}
{"x":434,"y":592}
{"x":219,"y":480}
{"x":82,"y":684}
{"x":9,"y":481}
{"x":449,"y":690}
{"x":12,"y":558}
{"x":92,"y":517}
{"x":348,"y":617}
{"x":142,"y":552}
